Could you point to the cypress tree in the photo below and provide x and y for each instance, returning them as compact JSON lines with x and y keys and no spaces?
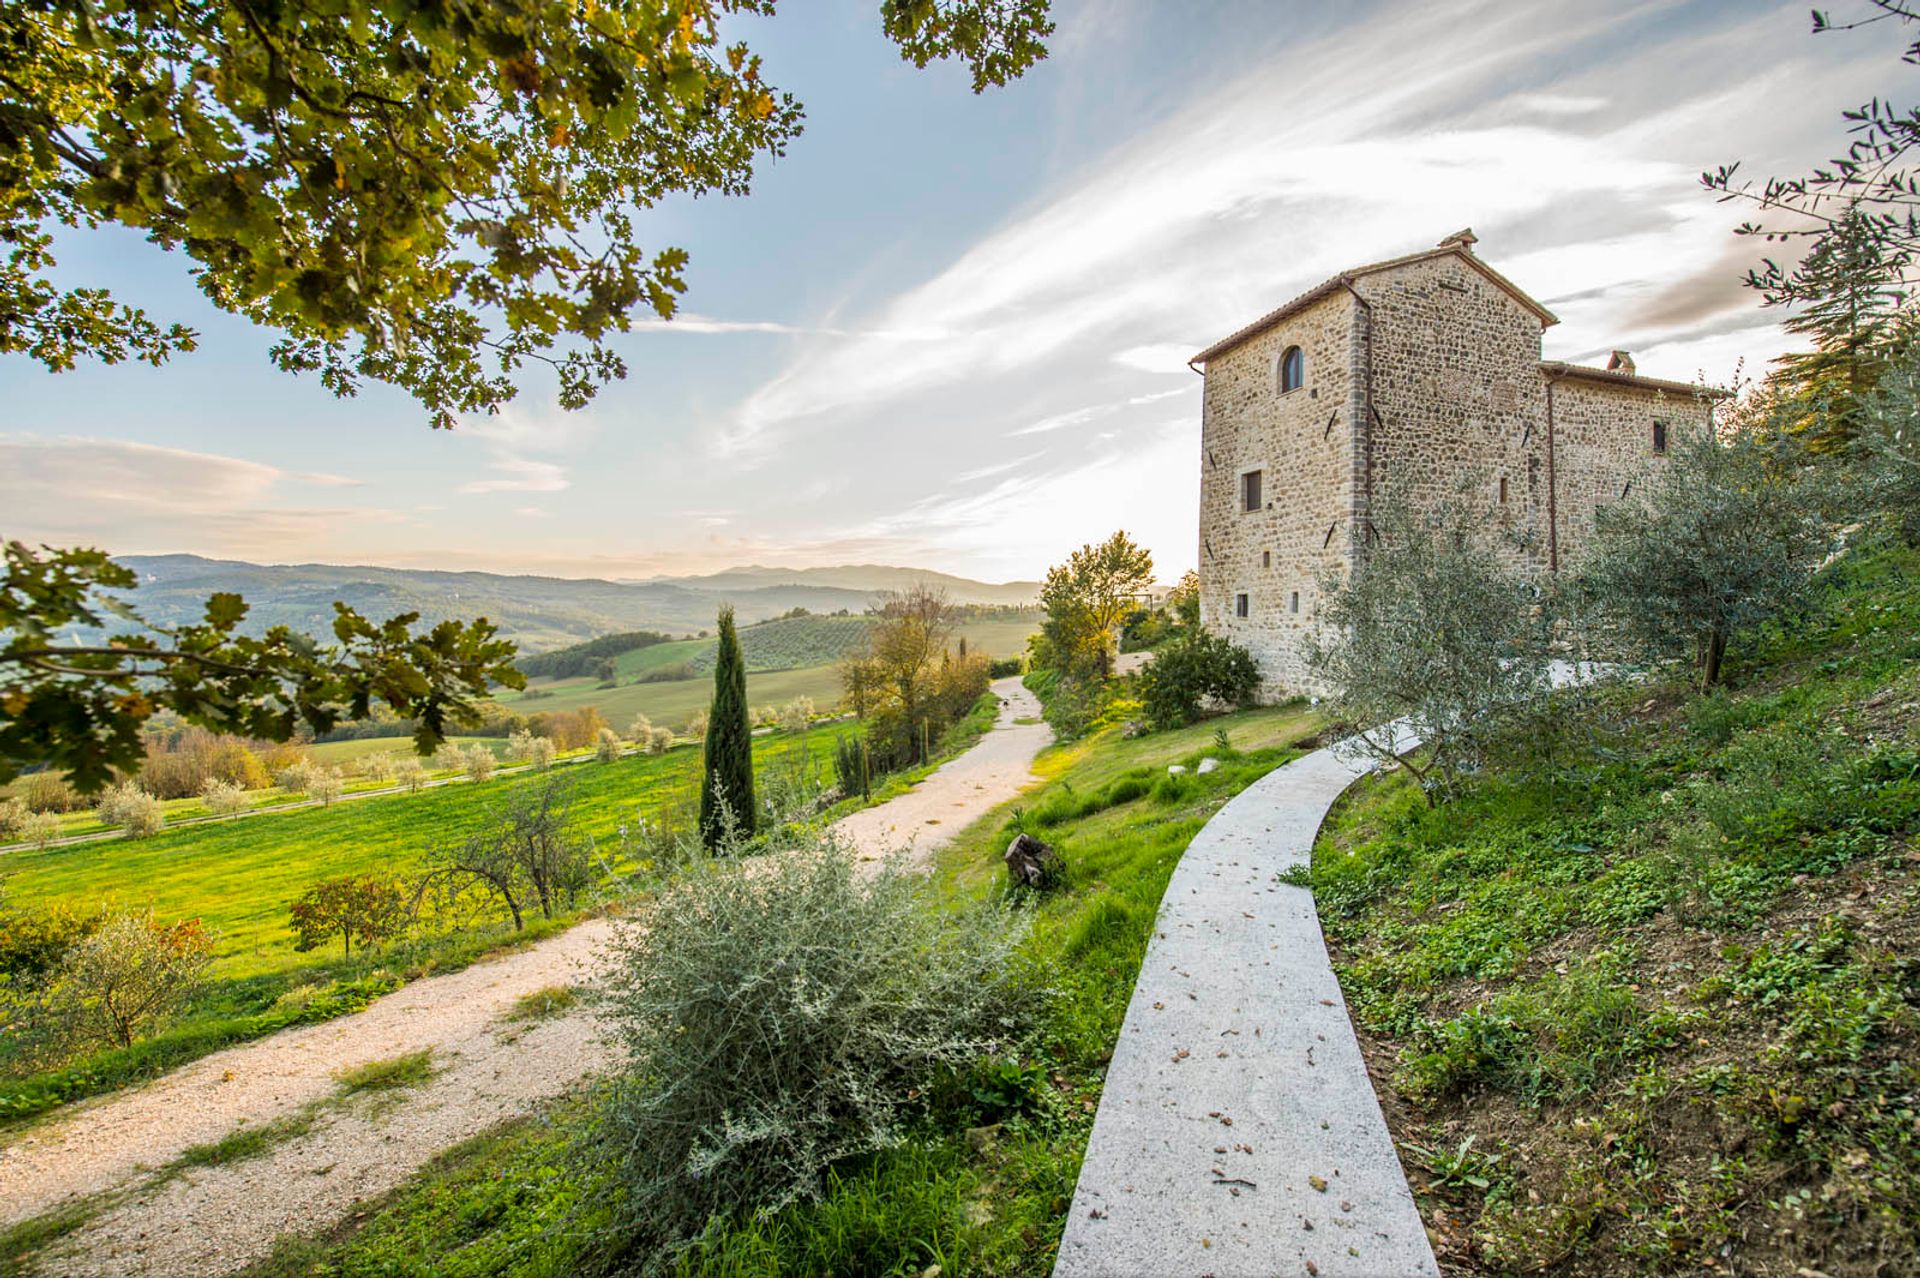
{"x":727,"y":774}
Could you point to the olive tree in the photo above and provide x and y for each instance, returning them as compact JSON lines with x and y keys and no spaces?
{"x":1721,"y":537}
{"x":1427,"y":640}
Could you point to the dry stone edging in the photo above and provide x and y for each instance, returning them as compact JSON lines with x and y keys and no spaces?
{"x":1238,"y":1132}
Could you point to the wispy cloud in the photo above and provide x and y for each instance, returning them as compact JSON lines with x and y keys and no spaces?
{"x":132,"y":497}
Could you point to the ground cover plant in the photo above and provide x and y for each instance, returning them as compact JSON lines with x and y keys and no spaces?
{"x":1652,"y":1007}
{"x":980,"y":1181}
{"x":238,"y":879}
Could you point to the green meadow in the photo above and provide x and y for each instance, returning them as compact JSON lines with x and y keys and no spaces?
{"x":238,"y":876}
{"x":790,"y":658}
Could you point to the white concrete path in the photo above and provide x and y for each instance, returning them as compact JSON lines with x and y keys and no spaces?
{"x":1238,"y":1133}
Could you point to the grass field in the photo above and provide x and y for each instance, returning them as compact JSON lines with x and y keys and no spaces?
{"x":785,"y":659}
{"x":238,"y":876}
{"x":514,"y":1202}
{"x":335,"y":753}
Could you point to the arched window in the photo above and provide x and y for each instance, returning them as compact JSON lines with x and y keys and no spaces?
{"x":1293,"y":369}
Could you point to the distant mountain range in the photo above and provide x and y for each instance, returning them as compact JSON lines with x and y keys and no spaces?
{"x":539,"y":613}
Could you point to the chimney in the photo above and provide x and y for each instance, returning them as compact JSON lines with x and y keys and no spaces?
{"x":1621,"y":362}
{"x":1466,"y":239}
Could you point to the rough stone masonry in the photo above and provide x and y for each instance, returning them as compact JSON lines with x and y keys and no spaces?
{"x":1413,"y":376}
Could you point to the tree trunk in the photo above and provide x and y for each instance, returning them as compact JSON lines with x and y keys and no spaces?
{"x":1712,"y":658}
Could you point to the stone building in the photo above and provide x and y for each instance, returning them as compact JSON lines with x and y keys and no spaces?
{"x":1415,"y":376}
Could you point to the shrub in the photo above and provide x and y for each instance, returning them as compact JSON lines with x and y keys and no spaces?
{"x":128,"y":977}
{"x":366,"y":908}
{"x":640,"y":730}
{"x":223,"y":798}
{"x":852,"y":770}
{"x":779,"y":1016}
{"x":607,"y":750}
{"x":697,"y":725}
{"x":544,"y":751}
{"x":658,"y":740}
{"x":49,"y":792}
{"x":137,"y":813}
{"x":13,"y":817}
{"x":1003,"y":667}
{"x":1189,"y":672}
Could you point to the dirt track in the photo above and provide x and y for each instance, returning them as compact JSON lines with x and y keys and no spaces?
{"x":213,"y":1220}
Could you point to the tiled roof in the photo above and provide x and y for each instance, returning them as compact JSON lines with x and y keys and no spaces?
{"x":1340,"y":281}
{"x":1612,"y":377}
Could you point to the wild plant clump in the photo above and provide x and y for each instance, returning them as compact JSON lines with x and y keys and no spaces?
{"x":659,"y":740}
{"x":779,"y":1014}
{"x":326,"y":785}
{"x":607,"y":748}
{"x":137,"y":813}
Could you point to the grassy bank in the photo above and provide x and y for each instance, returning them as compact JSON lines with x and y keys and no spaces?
{"x":239,"y":876}
{"x":1657,"y":1010}
{"x":983,"y":1185}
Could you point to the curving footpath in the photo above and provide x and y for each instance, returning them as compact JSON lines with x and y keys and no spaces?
{"x":210,"y":1220}
{"x":1238,"y":1132}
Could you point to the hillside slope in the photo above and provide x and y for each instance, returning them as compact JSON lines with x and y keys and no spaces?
{"x":1655,"y":1003}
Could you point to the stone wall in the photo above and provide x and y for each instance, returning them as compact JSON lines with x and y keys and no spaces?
{"x":1459,"y":404}
{"x":1603,"y":441}
{"x":1303,"y":444}
{"x":1459,"y":400}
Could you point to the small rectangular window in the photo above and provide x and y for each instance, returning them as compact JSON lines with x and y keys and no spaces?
{"x":1266,"y":559}
{"x":1250,"y":490}
{"x":1240,"y":608}
{"x":1659,"y":438}
{"x":1294,"y":604}
{"x":1503,"y":490}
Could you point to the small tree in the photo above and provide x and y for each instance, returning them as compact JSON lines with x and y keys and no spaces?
{"x":128,"y":977}
{"x":659,"y":740}
{"x":796,"y":715}
{"x":726,"y":774}
{"x":326,"y":786}
{"x":607,"y":749}
{"x":1183,"y":601}
{"x":544,"y":752}
{"x":1427,"y":640}
{"x":1724,"y":536}
{"x":223,"y":798}
{"x":366,"y":908}
{"x":478,"y":762}
{"x":861,"y":679}
{"x":39,"y":829}
{"x":297,"y":777}
{"x":1889,"y":442}
{"x":522,"y":855}
{"x":409,"y":773}
{"x":13,"y":817}
{"x":520,"y":745}
{"x":1189,"y":672}
{"x":640,"y":729}
{"x":137,"y":813}
{"x":1088,"y":597}
{"x":697,"y":725}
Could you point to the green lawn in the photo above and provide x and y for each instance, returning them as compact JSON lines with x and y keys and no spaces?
{"x":238,"y":876}
{"x":513,"y":1203}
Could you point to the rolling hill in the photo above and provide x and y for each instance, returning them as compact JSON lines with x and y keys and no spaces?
{"x":539,"y":613}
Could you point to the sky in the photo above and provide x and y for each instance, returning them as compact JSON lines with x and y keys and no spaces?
{"x":951,"y":331}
